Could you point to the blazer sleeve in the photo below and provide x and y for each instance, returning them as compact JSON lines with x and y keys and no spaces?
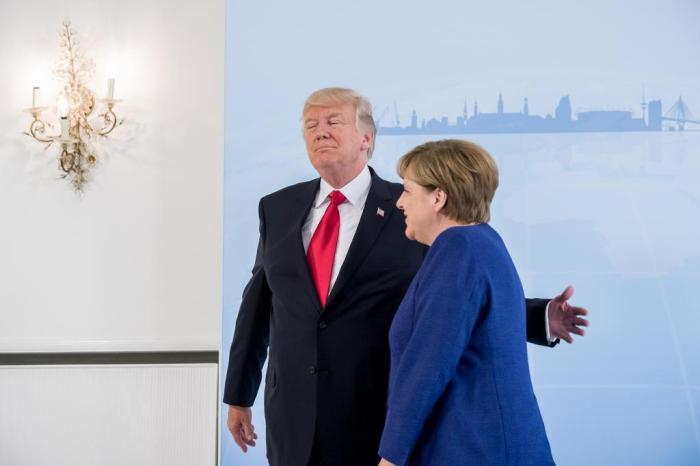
{"x":431,"y":355}
{"x":535,"y":315}
{"x":251,"y":336}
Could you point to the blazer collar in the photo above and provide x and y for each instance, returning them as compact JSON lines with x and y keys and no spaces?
{"x":305,"y":199}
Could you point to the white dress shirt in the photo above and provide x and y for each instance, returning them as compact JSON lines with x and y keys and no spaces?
{"x":350,"y":211}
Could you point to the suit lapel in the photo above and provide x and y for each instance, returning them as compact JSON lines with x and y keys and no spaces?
{"x":378,"y":208}
{"x":296,"y":245}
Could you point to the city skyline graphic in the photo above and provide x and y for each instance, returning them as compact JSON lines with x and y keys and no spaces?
{"x":563,"y":120}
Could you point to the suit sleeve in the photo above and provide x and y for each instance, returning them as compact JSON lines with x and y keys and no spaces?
{"x":452,"y":287}
{"x":251,"y":336}
{"x":536,"y":331}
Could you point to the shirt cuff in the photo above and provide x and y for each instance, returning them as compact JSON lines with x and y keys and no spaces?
{"x":546,"y":324}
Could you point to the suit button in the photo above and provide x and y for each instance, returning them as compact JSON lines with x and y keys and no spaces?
{"x":322,"y":325}
{"x":312,"y":370}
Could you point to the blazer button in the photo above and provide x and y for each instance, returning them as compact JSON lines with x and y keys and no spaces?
{"x":322,"y":325}
{"x":312,"y":370}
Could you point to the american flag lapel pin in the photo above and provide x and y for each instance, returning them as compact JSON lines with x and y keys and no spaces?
{"x":380,"y":211}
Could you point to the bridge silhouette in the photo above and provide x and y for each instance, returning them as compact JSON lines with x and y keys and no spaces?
{"x":680,"y":114}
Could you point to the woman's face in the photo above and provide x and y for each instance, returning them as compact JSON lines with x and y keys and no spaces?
{"x":420,"y":210}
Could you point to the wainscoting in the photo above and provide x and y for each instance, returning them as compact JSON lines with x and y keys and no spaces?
{"x":133,"y":409}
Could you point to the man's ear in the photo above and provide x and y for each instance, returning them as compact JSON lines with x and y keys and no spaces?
{"x":367,"y":141}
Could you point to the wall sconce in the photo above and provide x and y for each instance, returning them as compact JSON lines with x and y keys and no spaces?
{"x":75,"y":104}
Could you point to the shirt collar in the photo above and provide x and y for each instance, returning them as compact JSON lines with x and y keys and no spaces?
{"x":355,"y":191}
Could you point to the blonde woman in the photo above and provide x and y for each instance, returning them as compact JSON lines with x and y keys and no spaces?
{"x":459,"y":385}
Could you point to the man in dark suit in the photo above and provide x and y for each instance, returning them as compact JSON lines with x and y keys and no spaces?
{"x":332,"y":266}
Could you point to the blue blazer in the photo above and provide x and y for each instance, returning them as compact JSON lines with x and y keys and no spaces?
{"x":459,"y":385}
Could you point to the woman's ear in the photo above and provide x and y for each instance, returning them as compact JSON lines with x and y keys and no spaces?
{"x":439,"y":200}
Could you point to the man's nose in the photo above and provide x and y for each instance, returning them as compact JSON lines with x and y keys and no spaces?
{"x":323,"y":130}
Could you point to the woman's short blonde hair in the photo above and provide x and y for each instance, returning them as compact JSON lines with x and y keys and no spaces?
{"x":338,"y":96}
{"x":465,"y":171}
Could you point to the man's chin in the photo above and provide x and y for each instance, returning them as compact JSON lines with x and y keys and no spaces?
{"x":326,"y":158}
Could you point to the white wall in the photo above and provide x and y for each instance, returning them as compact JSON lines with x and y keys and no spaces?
{"x":134,"y":263}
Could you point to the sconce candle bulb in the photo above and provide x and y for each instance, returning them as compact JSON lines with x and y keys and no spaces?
{"x":62,"y":107}
{"x":110,"y":88}
{"x":35,"y":97}
{"x":64,"y":128}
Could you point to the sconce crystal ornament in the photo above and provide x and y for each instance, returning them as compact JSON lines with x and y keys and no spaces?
{"x":75,"y":104}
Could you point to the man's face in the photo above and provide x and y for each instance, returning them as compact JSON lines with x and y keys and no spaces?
{"x":333,"y":139}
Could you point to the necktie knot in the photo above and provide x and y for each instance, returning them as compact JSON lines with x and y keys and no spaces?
{"x":337,"y":198}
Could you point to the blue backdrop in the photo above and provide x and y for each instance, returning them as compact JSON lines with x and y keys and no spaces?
{"x":582,"y":105}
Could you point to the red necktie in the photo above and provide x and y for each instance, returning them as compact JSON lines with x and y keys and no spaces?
{"x":322,"y":247}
